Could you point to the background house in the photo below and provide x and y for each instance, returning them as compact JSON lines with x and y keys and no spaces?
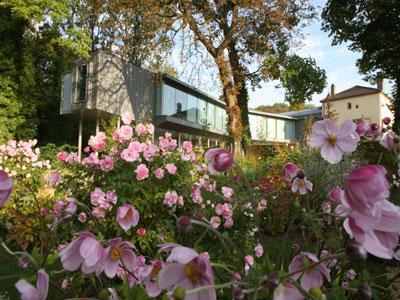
{"x":358,"y":102}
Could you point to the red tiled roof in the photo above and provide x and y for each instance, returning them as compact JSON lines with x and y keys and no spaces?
{"x":354,"y":91}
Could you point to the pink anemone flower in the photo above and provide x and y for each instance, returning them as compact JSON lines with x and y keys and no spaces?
{"x":290,"y":171}
{"x":301,"y":185}
{"x":119,"y":253}
{"x":312,"y":277}
{"x":6,"y":186}
{"x":84,"y":250}
{"x":334,"y":141}
{"x":187,"y":269}
{"x":149,"y":277}
{"x":219,"y":160}
{"x":127,"y":216}
{"x":287,"y":291}
{"x":29,"y":292}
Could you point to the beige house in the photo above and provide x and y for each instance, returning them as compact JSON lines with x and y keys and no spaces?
{"x":358,"y":102}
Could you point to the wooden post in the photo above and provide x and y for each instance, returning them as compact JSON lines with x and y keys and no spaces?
{"x":80,"y":135}
{"x":119,"y":122}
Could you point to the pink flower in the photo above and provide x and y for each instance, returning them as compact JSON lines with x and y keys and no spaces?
{"x":130,"y":155}
{"x":388,"y":141}
{"x":140,"y":129}
{"x":219,"y":160}
{"x":54,"y":178}
{"x":215,"y":222}
{"x":58,"y":207}
{"x":290,"y":170}
{"x":125,"y":133}
{"x":29,"y":292}
{"x":86,"y":149}
{"x":227,"y":193}
{"x":336,"y":194}
{"x":362,"y":127}
{"x":312,"y":277}
{"x":287,"y":291}
{"x":171,"y":168}
{"x":170,"y":198}
{"x":141,"y":231}
{"x":301,"y":185}
{"x":6,"y":186}
{"x":71,"y":206}
{"x":334,"y":141}
{"x":127,"y":216}
{"x":97,"y":197}
{"x":259,"y":250}
{"x":119,"y":253}
{"x":374,"y":131}
{"x":73,"y":158}
{"x":187,"y":269}
{"x":62,"y":156}
{"x":126,"y":118}
{"x":228,"y":223}
{"x":82,"y":217}
{"x":84,"y":250}
{"x":106,"y":164}
{"x":365,"y":186}
{"x":387,"y":120}
{"x":150,"y":275}
{"x":180,"y":201}
{"x":159,"y":173}
{"x":91,"y":161}
{"x":187,"y":146}
{"x":150,"y":128}
{"x":142,"y":172}
{"x":111,"y":196}
{"x":98,"y":142}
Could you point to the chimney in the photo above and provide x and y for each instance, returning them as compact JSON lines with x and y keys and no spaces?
{"x":332,"y":89}
{"x":379,"y":81}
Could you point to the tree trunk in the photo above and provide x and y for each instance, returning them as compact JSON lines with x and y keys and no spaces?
{"x":234,"y":127}
{"x":242,"y":96}
{"x":396,"y":106}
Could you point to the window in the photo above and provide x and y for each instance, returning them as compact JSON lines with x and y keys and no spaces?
{"x":271,"y":128}
{"x":349,"y":105}
{"x":202,"y":112}
{"x":211,"y":115}
{"x":356,"y":105}
{"x":181,"y":104}
{"x":169,"y":105}
{"x":81,"y":83}
{"x":258,"y":127}
{"x":192,"y":109}
{"x":219,"y":118}
{"x":289,"y":130}
{"x":280,"y":129}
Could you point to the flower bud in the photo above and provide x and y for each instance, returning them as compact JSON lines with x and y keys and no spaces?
{"x":184,"y":223}
{"x":219,"y":160}
{"x":387,"y":120}
{"x":179,"y":293}
{"x":273,"y":280}
{"x":238,"y":293}
{"x":316,"y":293}
{"x":301,"y":174}
{"x":374,"y":126}
{"x":383,"y":130}
{"x":236,"y":277}
{"x":355,"y":251}
{"x":364,"y":291}
{"x":198,"y":215}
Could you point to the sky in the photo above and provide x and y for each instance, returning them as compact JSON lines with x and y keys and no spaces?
{"x":338,"y":62}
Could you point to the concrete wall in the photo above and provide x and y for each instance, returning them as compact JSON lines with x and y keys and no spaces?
{"x":362,"y":107}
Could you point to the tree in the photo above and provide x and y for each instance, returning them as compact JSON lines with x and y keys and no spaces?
{"x":301,"y":78}
{"x":239,"y":34}
{"x":372,"y":27}
{"x":282,"y":107}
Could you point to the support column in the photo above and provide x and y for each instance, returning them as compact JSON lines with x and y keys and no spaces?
{"x":119,"y":122}
{"x":80,"y":135}
{"x":179,"y":139}
{"x":208,"y":142}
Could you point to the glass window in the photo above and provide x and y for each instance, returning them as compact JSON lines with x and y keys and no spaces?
{"x":192,"y":109}
{"x":225,"y":121}
{"x":202,"y":112}
{"x":289,"y":130}
{"x":258,"y":128}
{"x":271,"y":128}
{"x":219,"y":118}
{"x":280,"y":129}
{"x":181,"y":104}
{"x":211,"y":115}
{"x":81,"y":83}
{"x":168,"y":100}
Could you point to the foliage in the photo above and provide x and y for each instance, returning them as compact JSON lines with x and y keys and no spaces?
{"x":372,"y":28}
{"x":301,"y":78}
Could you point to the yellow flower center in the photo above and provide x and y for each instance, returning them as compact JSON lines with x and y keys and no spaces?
{"x":191,"y":271}
{"x":115,"y":254}
{"x":332,"y":140}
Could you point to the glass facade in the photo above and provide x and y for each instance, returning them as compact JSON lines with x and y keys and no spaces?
{"x":186,"y":106}
{"x":182,"y":105}
{"x":81,"y":84}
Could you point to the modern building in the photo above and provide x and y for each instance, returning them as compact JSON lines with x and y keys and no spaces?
{"x":358,"y":102}
{"x":104,"y":85}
